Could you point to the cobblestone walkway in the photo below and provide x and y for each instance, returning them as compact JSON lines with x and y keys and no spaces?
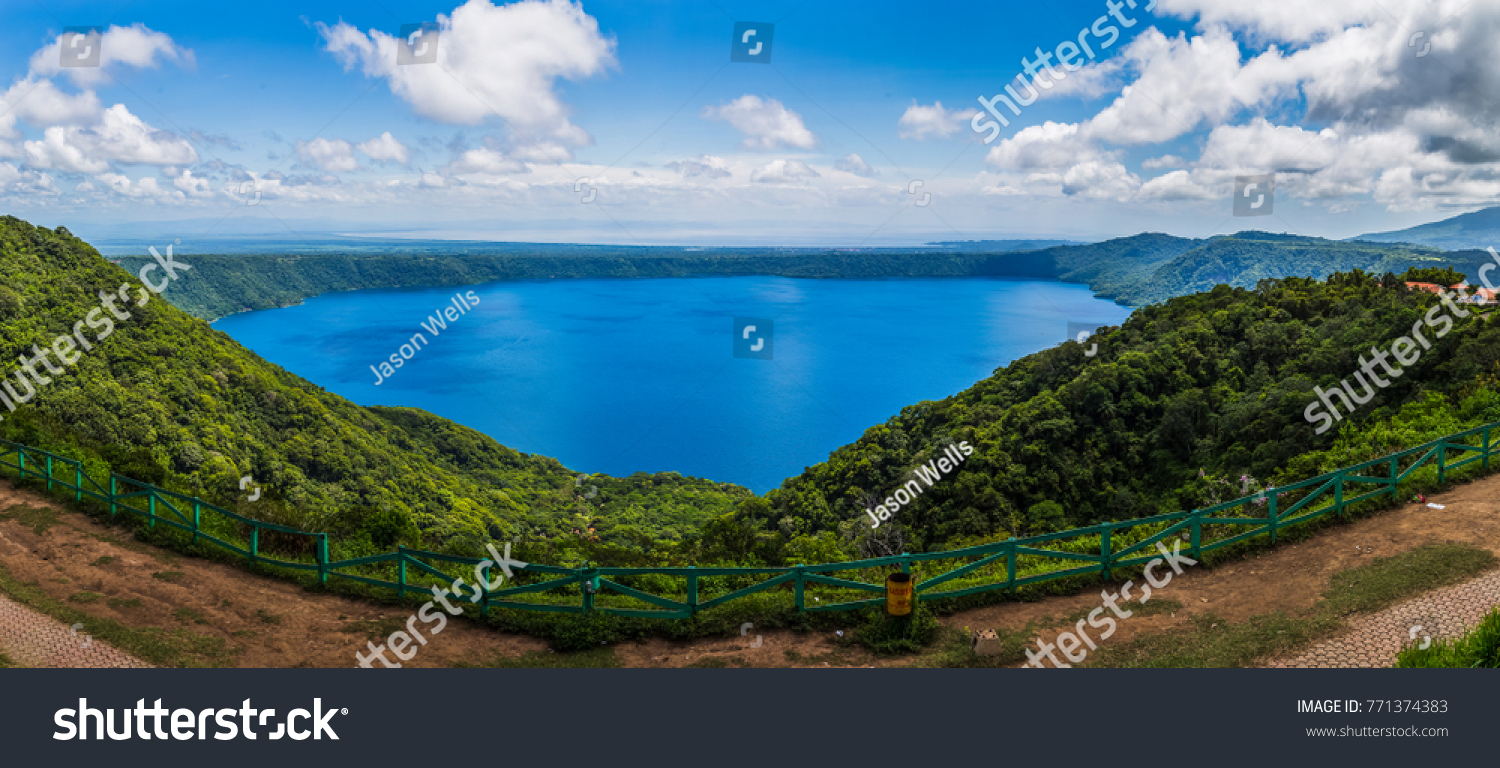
{"x":1374,"y":641}
{"x":32,"y":639}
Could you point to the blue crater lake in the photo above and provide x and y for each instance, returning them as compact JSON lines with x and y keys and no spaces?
{"x":622,"y":376}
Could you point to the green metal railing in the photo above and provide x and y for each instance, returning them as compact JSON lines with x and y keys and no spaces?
{"x":1006,"y":565}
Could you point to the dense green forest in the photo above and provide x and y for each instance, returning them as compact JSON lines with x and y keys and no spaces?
{"x":161,"y":397}
{"x":1186,"y":394}
{"x":1189,"y":397}
{"x":1136,"y":270}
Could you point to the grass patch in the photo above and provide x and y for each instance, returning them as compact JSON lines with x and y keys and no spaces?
{"x":268,"y":618}
{"x":164,"y":557}
{"x":1213,"y":642}
{"x":599,"y":658}
{"x":244,"y":633}
{"x":41,"y":520}
{"x":374,"y":629}
{"x":6,"y":663}
{"x":188,"y":614}
{"x":180,"y":647}
{"x":105,"y":560}
{"x":115,"y":602}
{"x":170,"y":577}
{"x":60,"y":579}
{"x":719,"y":662}
{"x":85,"y":597}
{"x":1477,"y":648}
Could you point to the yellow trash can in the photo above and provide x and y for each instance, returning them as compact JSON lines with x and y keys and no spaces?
{"x":899,"y":594}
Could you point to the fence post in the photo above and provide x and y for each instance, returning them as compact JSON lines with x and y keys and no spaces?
{"x":692,"y":592}
{"x":400,"y":571}
{"x":906,"y":564}
{"x":21,"y":461}
{"x":1442,"y":460}
{"x":1197,"y":534}
{"x":1104,"y":551}
{"x":800,"y":604}
{"x":197,"y":517}
{"x":1338,"y":495}
{"x":322,"y":558}
{"x":254,"y":543}
{"x":49,"y":472}
{"x":1484,"y":463}
{"x":587,"y":573}
{"x":1010,"y":565}
{"x":112,"y":497}
{"x":78,"y":480}
{"x":1394,"y":475}
{"x":1271,"y":513}
{"x":151,"y":504}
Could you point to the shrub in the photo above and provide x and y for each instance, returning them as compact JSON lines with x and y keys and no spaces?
{"x":1479,"y":647}
{"x":899,"y":634}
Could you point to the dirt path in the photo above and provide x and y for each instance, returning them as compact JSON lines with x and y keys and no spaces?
{"x":278,"y":624}
{"x":1289,"y":578}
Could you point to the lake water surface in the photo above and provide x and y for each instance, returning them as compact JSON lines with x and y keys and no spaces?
{"x":620,"y":376}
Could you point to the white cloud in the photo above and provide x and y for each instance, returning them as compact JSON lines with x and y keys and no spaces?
{"x":919,"y":122}
{"x":385,"y":148}
{"x":38,"y":102}
{"x":1049,"y":146}
{"x":708,"y":166}
{"x":853,"y":163}
{"x":120,"y":137}
{"x":136,"y":46}
{"x":492,"y":61}
{"x":1179,"y":185}
{"x":15,"y":180}
{"x":333,"y":156}
{"x":1165,"y":161}
{"x":145,"y":187}
{"x":767,"y":124}
{"x":194,"y":187}
{"x":783,"y":172}
{"x":484,"y":161}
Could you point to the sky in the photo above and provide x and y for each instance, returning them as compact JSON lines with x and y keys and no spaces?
{"x":857,"y":124}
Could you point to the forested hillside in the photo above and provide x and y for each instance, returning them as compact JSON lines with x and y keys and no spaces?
{"x":1215,"y":383}
{"x":1136,"y":270}
{"x":161,"y":397}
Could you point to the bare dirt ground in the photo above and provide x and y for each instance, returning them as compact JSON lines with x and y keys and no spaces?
{"x":278,"y":624}
{"x":1291,"y":577}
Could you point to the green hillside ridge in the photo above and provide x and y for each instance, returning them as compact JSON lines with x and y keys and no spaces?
{"x":1137,"y":270}
{"x":166,"y":399}
{"x":1184,"y":396}
{"x":1178,"y":404}
{"x":1470,"y":231}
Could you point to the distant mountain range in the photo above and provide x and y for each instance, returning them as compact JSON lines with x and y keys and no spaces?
{"x":1470,"y":231}
{"x":1138,"y":270}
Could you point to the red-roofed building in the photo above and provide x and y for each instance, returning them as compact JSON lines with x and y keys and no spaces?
{"x":1428,"y":287}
